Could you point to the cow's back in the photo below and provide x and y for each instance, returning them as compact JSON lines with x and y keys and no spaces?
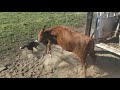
{"x":64,"y":37}
{"x":70,"y":40}
{"x":82,"y":42}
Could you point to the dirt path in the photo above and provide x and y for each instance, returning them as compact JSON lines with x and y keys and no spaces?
{"x":28,"y":65}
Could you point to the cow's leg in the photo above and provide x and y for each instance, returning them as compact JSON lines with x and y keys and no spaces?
{"x":82,"y":58}
{"x":45,"y":52}
{"x":85,"y":69}
{"x":91,"y":52}
{"x":84,"y":66}
{"x":49,"y":49}
{"x":93,"y":56}
{"x":62,"y":51}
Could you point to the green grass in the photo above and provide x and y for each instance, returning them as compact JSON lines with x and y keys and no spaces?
{"x":17,"y":28}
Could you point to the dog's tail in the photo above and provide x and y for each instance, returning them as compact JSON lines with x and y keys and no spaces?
{"x":23,"y":47}
{"x":36,"y":41}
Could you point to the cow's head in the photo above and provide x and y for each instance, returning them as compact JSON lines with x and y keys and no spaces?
{"x":46,"y":35}
{"x":42,"y":37}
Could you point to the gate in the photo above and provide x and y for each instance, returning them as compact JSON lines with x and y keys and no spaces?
{"x":106,"y":28}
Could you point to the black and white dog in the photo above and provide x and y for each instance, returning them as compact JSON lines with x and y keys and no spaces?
{"x":30,"y":45}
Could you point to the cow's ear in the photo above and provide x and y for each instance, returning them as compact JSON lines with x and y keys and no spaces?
{"x":44,"y":28}
{"x":53,"y":32}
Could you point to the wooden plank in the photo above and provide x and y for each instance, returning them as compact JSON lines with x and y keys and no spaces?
{"x":108,"y":48}
{"x":119,"y":38}
{"x":89,"y":23}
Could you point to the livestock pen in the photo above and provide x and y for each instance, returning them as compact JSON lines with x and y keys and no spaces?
{"x":19,"y":28}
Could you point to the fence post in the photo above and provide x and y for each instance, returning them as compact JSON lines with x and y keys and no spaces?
{"x":89,"y":23}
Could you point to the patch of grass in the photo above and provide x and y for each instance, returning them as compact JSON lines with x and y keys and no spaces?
{"x":17,"y":28}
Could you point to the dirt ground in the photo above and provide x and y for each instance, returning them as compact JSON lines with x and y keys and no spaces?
{"x":62,"y":64}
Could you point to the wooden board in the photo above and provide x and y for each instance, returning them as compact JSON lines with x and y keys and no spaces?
{"x":108,"y":48}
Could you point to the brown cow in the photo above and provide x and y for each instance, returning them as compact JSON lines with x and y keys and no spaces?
{"x":71,"y":41}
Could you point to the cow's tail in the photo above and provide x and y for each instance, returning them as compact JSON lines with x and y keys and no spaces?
{"x":92,"y":34}
{"x":95,"y":39}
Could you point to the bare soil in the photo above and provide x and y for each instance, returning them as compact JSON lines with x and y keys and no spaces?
{"x":62,"y":64}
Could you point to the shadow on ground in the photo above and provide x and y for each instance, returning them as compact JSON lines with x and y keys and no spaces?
{"x":109,"y":63}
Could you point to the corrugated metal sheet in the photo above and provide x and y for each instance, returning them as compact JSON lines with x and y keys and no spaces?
{"x":107,"y":22}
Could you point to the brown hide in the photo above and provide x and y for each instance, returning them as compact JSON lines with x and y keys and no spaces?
{"x":69,"y":40}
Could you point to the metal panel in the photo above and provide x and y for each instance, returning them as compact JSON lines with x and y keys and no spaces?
{"x":105,"y":25}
